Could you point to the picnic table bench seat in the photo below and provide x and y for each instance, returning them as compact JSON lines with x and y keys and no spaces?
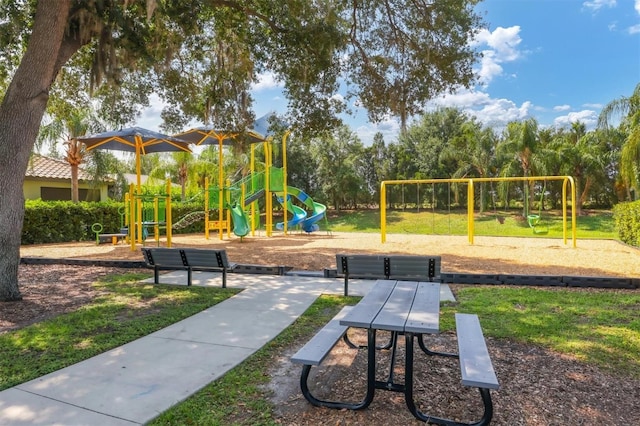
{"x":187,"y":259}
{"x":389,"y":267}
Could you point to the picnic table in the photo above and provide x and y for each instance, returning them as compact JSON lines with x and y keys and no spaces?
{"x":411,"y":309}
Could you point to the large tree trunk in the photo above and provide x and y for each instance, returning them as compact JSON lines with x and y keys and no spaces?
{"x":21,"y":112}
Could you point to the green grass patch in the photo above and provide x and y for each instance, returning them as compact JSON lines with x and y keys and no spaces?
{"x":597,"y":224}
{"x":599,"y":327}
{"x":125,"y":310}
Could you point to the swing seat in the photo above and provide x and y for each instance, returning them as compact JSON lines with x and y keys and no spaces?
{"x":533,"y":219}
{"x":534,"y":223}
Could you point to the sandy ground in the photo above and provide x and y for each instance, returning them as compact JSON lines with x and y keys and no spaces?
{"x":489,"y":255}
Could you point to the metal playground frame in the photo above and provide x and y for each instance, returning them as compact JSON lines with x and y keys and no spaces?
{"x":567,"y":181}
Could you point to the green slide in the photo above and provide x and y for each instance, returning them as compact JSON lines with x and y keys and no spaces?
{"x":240,"y":221}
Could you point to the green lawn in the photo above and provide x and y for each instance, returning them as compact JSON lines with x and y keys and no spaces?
{"x":494,"y":223}
{"x":126,"y":310}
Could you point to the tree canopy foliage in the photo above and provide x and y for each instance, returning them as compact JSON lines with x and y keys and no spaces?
{"x":203,"y":55}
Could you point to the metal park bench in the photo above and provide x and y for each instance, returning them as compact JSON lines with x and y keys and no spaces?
{"x":189,"y":260}
{"x":390,"y":267}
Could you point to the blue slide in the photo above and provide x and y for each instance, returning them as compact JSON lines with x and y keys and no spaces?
{"x":299,"y":214}
{"x":309,"y":221}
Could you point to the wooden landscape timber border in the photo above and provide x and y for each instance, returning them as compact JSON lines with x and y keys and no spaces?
{"x":445,"y":278}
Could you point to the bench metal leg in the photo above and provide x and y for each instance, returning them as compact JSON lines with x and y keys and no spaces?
{"x":189,"y":276}
{"x":156,"y":275}
{"x":224,"y":278}
{"x":484,"y":394}
{"x":371,"y":376}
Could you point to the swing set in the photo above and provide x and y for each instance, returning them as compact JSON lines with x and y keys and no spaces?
{"x":535,"y":221}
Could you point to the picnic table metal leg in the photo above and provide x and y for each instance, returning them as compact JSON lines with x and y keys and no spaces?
{"x":371,"y":378}
{"x":430,"y":352}
{"x":352,"y":345}
{"x":484,"y":393}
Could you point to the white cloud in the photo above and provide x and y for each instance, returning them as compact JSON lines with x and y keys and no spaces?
{"x":635,"y":29}
{"x":587,"y":116}
{"x":503,"y":44}
{"x":491,"y":112}
{"x":389,"y":127}
{"x":562,"y":108}
{"x":637,"y":6}
{"x":596,"y":5}
{"x":266,"y":81}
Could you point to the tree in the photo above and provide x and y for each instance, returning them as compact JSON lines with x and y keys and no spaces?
{"x":628,"y":109}
{"x":409,"y":53}
{"x":582,"y":156}
{"x":79,"y":123}
{"x":518,"y":153}
{"x":302,"y":42}
{"x":475,"y":155}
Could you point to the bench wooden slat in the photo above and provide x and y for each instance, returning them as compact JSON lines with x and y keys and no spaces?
{"x":396,"y":267}
{"x":397,"y":308}
{"x":475,"y":363}
{"x":425,"y":311}
{"x":316,"y":349}
{"x":165,"y":257}
{"x":420,"y":268}
{"x":357,"y":265}
{"x":206,"y":258}
{"x":367,"y":309}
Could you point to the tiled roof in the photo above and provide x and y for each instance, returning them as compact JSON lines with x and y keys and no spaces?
{"x":50,"y":168}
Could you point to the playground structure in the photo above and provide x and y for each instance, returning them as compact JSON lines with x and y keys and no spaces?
{"x":534,"y":220}
{"x":235,"y":202}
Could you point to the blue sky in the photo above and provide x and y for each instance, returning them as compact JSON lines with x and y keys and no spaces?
{"x":556,"y":60}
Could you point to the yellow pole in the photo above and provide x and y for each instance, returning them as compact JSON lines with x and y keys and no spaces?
{"x":267,"y":179}
{"x":220,"y":183}
{"x":132,"y":216}
{"x":383,"y":212}
{"x":156,"y":219}
{"x":253,"y":189}
{"x":168,"y":214}
{"x":139,"y":218}
{"x":470,"y":210}
{"x":206,"y":208}
{"x":228,"y":185}
{"x":284,"y":178}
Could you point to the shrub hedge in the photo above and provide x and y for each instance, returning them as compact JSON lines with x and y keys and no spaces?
{"x":65,"y":221}
{"x":627,"y":222}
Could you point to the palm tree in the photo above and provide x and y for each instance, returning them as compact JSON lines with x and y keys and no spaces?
{"x":77,"y":124}
{"x":628,"y":110}
{"x":519,"y":153}
{"x":475,"y":155}
{"x":582,"y":157}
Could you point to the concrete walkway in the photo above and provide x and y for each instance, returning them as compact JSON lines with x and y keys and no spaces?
{"x":134,"y":383}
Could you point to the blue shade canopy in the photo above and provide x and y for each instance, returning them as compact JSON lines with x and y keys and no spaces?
{"x":135,"y":139}
{"x":261,"y":127}
{"x":207,"y":135}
